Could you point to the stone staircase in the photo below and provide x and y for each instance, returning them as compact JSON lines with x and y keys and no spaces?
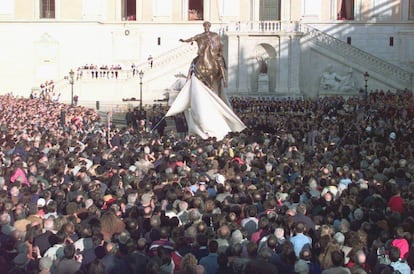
{"x":390,"y":74}
{"x":110,"y":93}
{"x":113,"y":93}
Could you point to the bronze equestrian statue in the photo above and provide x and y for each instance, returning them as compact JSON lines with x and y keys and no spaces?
{"x":209,"y":65}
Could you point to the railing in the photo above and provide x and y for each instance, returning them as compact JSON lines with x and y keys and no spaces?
{"x":95,"y":74}
{"x":159,"y":62}
{"x":353,"y":54}
{"x":175,"y":54}
{"x":252,"y":26}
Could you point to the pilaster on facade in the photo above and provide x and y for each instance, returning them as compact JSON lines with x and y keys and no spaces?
{"x":294,"y":68}
{"x":282,"y":82}
{"x":286,"y":11}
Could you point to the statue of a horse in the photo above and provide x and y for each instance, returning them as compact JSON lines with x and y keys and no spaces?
{"x":210,"y":68}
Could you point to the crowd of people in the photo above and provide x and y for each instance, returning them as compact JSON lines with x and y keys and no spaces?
{"x":46,"y":92}
{"x":311,"y":186}
{"x":99,"y":72}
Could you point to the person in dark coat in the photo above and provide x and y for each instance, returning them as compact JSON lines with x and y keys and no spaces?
{"x":68,"y":264}
{"x":129,"y":118}
{"x":181,"y":125}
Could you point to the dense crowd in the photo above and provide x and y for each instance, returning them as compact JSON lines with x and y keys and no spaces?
{"x":311,"y":186}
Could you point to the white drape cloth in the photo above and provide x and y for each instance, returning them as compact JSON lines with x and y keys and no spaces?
{"x":206,"y":114}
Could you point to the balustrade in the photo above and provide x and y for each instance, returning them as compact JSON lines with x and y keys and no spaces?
{"x":361,"y":57}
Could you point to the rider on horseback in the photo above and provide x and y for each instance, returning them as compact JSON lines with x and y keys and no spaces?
{"x":209,"y":44}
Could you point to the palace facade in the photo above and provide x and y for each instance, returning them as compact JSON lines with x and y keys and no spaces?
{"x":273,"y":47}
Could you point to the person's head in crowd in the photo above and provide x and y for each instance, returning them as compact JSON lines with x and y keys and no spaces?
{"x":263,"y":223}
{"x":49,"y":223}
{"x":201,"y":227}
{"x":142,"y":244}
{"x":272,"y":242}
{"x":236,"y":249}
{"x":45,"y":263}
{"x":96,"y":267}
{"x":69,"y":251}
{"x":202,"y":240}
{"x":194,"y":215}
{"x":300,"y":227}
{"x":152,"y":267}
{"x":251,"y":249}
{"x":236,"y":236}
{"x":223,"y":232}
{"x":359,"y":257}
{"x":301,"y":209}
{"x":188,"y":262}
{"x":251,"y":211}
{"x":213,"y":246}
{"x":338,"y":258}
{"x":394,"y":254}
{"x":58,"y":238}
{"x":191,"y":233}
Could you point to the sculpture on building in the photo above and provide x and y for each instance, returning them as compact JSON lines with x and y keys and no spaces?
{"x":331,"y":81}
{"x":262,"y":65}
{"x":263,"y":77}
{"x":209,"y":65}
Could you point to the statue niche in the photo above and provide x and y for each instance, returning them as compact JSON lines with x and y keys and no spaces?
{"x":263,"y":77}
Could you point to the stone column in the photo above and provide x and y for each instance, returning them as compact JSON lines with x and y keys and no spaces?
{"x":286,"y":16}
{"x":282,"y":82}
{"x":244,"y":77}
{"x":139,"y":10}
{"x":255,"y":10}
{"x":285,"y":11}
{"x":118,"y":11}
{"x":206,"y":10}
{"x":233,"y":65}
{"x":294,"y":67}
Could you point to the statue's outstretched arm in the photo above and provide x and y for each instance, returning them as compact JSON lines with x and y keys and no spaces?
{"x":191,"y":39}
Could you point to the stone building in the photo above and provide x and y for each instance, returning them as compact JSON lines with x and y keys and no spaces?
{"x":296,"y":40}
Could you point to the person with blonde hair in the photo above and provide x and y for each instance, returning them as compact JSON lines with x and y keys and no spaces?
{"x":189,"y":265}
{"x":111,"y":224}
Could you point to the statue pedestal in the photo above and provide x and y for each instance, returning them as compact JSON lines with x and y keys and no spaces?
{"x":263,"y":83}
